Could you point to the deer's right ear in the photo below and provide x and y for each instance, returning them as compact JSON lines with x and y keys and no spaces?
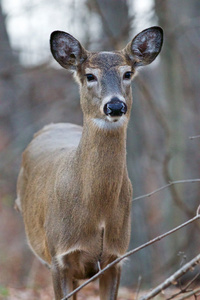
{"x":67,"y":50}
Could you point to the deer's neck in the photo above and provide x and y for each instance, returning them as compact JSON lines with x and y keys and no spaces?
{"x":102,"y":162}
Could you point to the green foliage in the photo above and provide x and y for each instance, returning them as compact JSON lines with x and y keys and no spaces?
{"x":4,"y":291}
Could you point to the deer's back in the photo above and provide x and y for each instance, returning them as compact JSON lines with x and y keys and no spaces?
{"x":55,"y":137}
{"x":49,"y":148}
{"x":49,"y":143}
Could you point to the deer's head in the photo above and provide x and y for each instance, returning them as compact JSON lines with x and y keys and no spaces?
{"x":105,"y":77}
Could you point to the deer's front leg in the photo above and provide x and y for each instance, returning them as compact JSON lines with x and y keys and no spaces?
{"x":109,"y":283}
{"x":62,"y":282}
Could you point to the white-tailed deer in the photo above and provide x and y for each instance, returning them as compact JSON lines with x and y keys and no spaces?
{"x":73,"y":188}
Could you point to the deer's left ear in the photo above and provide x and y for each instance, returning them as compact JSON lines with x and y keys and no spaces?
{"x":145,"y":46}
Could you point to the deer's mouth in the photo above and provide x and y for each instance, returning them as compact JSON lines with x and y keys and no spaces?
{"x":113,"y":119}
{"x":110,"y":123}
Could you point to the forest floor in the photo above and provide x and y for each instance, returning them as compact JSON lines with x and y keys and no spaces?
{"x":90,"y":292}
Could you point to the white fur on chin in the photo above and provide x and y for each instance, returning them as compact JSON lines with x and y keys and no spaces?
{"x":110,"y":123}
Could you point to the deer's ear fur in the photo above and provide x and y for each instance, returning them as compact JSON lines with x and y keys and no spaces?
{"x":67,"y":50}
{"x":145,"y":46}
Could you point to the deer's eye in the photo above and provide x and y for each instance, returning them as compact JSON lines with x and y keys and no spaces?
{"x":90,"y":77}
{"x":127,"y":75}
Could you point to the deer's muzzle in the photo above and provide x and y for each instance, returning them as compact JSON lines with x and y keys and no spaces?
{"x":115,"y":108}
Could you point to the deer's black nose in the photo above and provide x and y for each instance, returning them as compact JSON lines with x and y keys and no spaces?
{"x":115,"y":108}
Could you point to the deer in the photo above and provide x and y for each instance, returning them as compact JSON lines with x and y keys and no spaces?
{"x":73,"y":188}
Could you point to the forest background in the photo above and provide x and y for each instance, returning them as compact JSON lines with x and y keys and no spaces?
{"x":163,"y":135}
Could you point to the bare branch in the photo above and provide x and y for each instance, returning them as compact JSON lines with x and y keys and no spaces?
{"x":166,"y":186}
{"x":132,"y":252}
{"x":192,"y":293}
{"x":184,"y":289}
{"x":194,"y":137}
{"x":174,"y":193}
{"x":173,"y":278}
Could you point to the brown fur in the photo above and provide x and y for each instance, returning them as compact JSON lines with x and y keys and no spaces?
{"x":73,"y":187}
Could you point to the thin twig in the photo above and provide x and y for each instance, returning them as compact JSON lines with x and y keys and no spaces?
{"x":132,"y":252}
{"x":138,"y":287}
{"x":174,"y":193}
{"x":192,"y":293}
{"x":166,"y":186}
{"x":99,"y":266}
{"x":194,"y":137}
{"x":184,"y":289}
{"x":173,"y":278}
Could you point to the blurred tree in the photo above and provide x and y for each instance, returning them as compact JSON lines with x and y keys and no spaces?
{"x":14,"y":113}
{"x":7,"y":85}
{"x":174,"y":104}
{"x":165,"y":113}
{"x":179,"y":79}
{"x":114,"y":34}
